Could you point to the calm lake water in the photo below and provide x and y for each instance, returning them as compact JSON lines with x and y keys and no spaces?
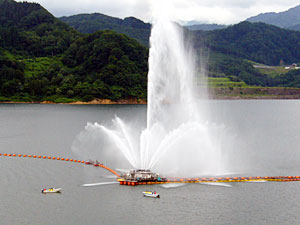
{"x":265,"y":141}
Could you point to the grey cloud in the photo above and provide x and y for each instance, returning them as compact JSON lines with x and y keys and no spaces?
{"x":226,"y":11}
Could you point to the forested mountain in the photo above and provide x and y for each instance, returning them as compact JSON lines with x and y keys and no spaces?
{"x":258,"y":42}
{"x":30,"y":28}
{"x":42,"y":58}
{"x":286,"y":19}
{"x":90,"y":23}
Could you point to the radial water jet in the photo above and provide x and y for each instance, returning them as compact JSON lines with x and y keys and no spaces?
{"x":178,"y":139}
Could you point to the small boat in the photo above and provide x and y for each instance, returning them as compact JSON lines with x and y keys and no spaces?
{"x":151,"y":194}
{"x":51,"y":190}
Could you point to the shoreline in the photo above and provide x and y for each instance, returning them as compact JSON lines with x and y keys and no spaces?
{"x":93,"y":102}
{"x":143,"y":102}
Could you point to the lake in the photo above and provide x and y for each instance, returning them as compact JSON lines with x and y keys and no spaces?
{"x":265,"y":140}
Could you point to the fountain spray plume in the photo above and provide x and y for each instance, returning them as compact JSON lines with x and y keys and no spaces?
{"x":177,"y":140}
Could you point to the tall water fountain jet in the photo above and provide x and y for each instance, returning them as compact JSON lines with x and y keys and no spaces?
{"x":177,"y":140}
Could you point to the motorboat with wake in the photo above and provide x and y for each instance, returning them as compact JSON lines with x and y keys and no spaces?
{"x":151,"y":194}
{"x":51,"y":190}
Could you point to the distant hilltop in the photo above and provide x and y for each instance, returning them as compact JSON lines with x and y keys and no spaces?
{"x":289,"y":19}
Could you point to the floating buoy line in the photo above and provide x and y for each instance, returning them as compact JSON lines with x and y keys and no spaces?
{"x":60,"y":159}
{"x":168,"y":180}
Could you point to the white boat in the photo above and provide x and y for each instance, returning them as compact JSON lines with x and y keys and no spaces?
{"x":151,"y":194}
{"x":51,"y":190}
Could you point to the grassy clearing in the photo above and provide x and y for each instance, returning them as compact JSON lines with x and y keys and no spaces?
{"x":216,"y":82}
{"x":38,"y":66}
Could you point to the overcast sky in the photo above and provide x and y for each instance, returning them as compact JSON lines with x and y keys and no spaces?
{"x":207,"y":11}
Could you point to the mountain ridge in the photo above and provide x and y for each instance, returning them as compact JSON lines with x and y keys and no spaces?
{"x":90,"y":23}
{"x":285,"y":19}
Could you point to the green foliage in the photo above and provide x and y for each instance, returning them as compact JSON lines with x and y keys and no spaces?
{"x":116,"y":66}
{"x":30,"y":29}
{"x":224,"y":82}
{"x":290,"y":79}
{"x":41,"y":58}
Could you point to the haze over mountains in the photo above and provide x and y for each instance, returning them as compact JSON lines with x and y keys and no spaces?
{"x":289,"y":19}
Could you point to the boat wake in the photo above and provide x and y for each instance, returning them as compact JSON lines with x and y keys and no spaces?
{"x":217,"y":184}
{"x":98,"y":184}
{"x":172,"y":185}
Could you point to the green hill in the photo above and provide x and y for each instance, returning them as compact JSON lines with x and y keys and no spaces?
{"x":90,"y":23}
{"x":258,"y":42}
{"x":42,"y":58}
{"x":30,"y":28}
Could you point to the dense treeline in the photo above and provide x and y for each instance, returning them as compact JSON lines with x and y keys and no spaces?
{"x":114,"y":65}
{"x":41,"y":58}
{"x":11,"y":76}
{"x":290,"y":79}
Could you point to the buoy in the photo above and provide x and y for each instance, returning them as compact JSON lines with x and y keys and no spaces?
{"x":53,"y":158}
{"x":44,"y":157}
{"x":14,"y":155}
{"x":19,"y":155}
{"x":57,"y":158}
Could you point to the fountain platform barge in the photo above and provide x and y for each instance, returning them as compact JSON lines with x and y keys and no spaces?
{"x":141,"y":176}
